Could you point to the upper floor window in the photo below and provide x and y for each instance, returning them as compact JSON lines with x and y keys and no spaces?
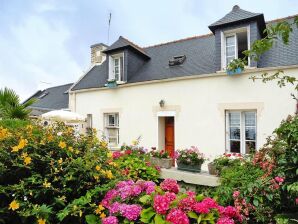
{"x":116,"y":67}
{"x":234,"y":42}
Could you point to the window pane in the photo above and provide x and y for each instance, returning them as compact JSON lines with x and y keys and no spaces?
{"x":234,"y":133}
{"x":250,"y":119}
{"x":230,"y":40}
{"x":235,"y":146}
{"x":116,"y":62}
{"x":230,"y":51}
{"x":111,"y":120}
{"x":249,"y":146}
{"x":234,"y":118}
{"x":250,"y":133}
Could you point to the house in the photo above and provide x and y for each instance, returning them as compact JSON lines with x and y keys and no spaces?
{"x":53,"y":98}
{"x":178,"y":94}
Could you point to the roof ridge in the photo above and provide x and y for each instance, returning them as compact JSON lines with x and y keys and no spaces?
{"x":58,"y":86}
{"x":179,"y":40}
{"x":133,"y":44}
{"x":282,"y":18}
{"x":210,"y":34}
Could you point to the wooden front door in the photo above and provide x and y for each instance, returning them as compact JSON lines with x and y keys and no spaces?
{"x":170,"y":136}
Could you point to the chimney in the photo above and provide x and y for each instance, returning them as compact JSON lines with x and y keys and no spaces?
{"x":97,"y":56}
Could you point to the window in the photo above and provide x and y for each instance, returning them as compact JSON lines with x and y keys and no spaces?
{"x":116,"y":67}
{"x":241,"y":131}
{"x":177,"y":60}
{"x":234,"y":43}
{"x":112,"y":128}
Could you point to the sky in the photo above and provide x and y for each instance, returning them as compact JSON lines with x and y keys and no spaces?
{"x":44,"y":43}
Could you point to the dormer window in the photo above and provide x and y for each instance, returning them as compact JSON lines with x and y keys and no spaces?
{"x":234,"y":42}
{"x":116,"y":67}
{"x":177,"y":60}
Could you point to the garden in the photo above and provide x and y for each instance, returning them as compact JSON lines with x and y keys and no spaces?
{"x":52,"y":175}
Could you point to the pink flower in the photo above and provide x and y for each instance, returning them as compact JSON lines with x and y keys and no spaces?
{"x":170,"y":185}
{"x":236,"y":194}
{"x":200,"y":207}
{"x":161,"y":204}
{"x":210,"y":203}
{"x":225,"y":220}
{"x":149,"y":187}
{"x":131,"y":212}
{"x":279,"y":179}
{"x":117,"y":154}
{"x":171,"y":196}
{"x":177,"y":216}
{"x":136,"y":190}
{"x":186,"y":204}
{"x":114,"y":208}
{"x":110,"y":220}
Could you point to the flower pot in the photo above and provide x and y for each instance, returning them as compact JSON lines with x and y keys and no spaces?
{"x":192,"y":168}
{"x":111,"y":84}
{"x":234,"y":72}
{"x":212,"y":170}
{"x":161,"y":162}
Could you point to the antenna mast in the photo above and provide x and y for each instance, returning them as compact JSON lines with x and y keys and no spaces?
{"x":110,"y":17}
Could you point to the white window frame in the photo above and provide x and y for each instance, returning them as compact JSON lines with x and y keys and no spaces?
{"x":242,"y":130}
{"x":233,"y":32}
{"x":108,"y":126}
{"x":112,"y":75}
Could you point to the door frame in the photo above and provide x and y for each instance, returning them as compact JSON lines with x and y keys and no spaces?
{"x":165,"y":114}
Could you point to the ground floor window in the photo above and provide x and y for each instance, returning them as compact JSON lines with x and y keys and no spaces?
{"x":241,"y":131}
{"x":111,"y":121}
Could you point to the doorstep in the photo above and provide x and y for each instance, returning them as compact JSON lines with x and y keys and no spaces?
{"x":202,"y":178}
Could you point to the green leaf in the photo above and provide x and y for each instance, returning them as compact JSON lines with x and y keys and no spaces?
{"x":199,"y":197}
{"x":255,"y":202}
{"x":158,"y":219}
{"x":145,"y":199}
{"x":192,"y":215}
{"x":92,"y":219}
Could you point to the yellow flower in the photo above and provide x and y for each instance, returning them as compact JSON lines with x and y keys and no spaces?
{"x":135,"y":142}
{"x":14,"y":205}
{"x":109,"y":174}
{"x":50,"y":137}
{"x":102,"y":215}
{"x":103,"y":144}
{"x":62,"y":144}
{"x":21,"y":145}
{"x":24,"y":155}
{"x":4,"y":133}
{"x":70,"y":149}
{"x":27,"y":160}
{"x":110,"y":155}
{"x":80,"y":213}
{"x":46,"y":184}
{"x":96,"y":177}
{"x":41,"y":221}
{"x":97,"y":168}
{"x":77,"y":152}
{"x":60,"y":161}
{"x":99,"y":209}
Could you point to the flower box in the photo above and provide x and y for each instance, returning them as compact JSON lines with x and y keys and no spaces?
{"x":162,"y":162}
{"x":235,"y":71}
{"x":192,"y":168}
{"x":111,"y":84}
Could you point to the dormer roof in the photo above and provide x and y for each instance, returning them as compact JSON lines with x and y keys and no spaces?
{"x":238,"y":15}
{"x":123,"y":43}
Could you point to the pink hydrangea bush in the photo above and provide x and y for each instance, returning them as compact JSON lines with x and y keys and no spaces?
{"x":145,"y":202}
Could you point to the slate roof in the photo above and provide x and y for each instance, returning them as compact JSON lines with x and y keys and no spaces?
{"x":55,"y":98}
{"x":236,"y":15}
{"x":123,"y":43}
{"x":200,"y":59}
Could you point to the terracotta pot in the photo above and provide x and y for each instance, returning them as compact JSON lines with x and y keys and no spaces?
{"x":161,"y":162}
{"x":212,"y":170}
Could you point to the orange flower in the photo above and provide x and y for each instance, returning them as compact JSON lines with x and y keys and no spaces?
{"x":14,"y":205}
{"x":41,"y":221}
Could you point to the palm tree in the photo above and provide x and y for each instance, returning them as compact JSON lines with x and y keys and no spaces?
{"x":10,"y":106}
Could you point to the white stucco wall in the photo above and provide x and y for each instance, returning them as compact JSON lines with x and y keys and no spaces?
{"x":199,"y":105}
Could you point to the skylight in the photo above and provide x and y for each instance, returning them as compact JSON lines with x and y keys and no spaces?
{"x":43,"y":95}
{"x":177,"y":60}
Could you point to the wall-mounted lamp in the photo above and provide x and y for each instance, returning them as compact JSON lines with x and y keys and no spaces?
{"x":162,"y":103}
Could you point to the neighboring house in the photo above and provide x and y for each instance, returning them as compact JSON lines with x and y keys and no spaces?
{"x":178,"y":94}
{"x":53,"y":98}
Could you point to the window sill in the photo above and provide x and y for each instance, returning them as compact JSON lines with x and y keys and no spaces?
{"x":115,"y":148}
{"x":245,"y":68}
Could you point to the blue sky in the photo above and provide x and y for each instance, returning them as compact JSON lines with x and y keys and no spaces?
{"x":49,"y":41}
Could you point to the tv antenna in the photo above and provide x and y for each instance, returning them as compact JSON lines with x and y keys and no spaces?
{"x":109,"y":25}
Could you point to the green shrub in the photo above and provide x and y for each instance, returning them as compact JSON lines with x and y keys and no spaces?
{"x":44,"y":170}
{"x":13,"y":123}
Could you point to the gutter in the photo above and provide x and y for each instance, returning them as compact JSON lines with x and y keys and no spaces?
{"x":210,"y":75}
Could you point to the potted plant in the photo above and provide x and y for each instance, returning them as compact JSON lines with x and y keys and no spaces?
{"x":161,"y":158}
{"x":223,"y":161}
{"x":190,"y":159}
{"x":235,"y":67}
{"x":112,"y":83}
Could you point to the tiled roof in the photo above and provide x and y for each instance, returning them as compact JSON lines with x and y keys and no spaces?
{"x":200,"y":59}
{"x":54,"y":98}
